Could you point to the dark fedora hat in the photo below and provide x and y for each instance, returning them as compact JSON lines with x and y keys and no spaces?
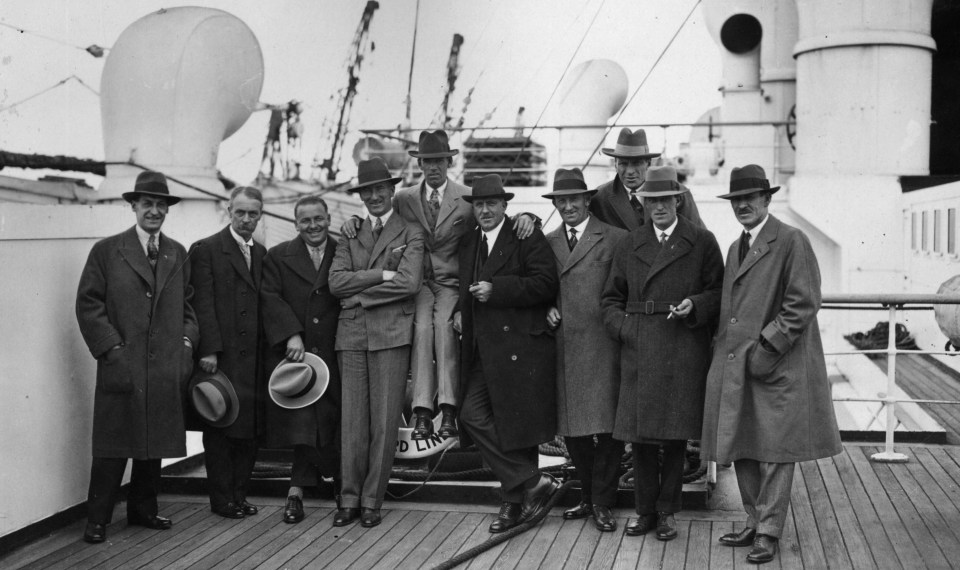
{"x":568,"y":183}
{"x":213,"y":398}
{"x":433,"y":145}
{"x":151,"y":183}
{"x":747,"y":180}
{"x":489,"y":186}
{"x":373,"y":171}
{"x":295,"y":385}
{"x":661,"y":181}
{"x":631,"y":145}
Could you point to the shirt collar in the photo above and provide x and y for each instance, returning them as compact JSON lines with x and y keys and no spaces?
{"x":668,"y":231}
{"x":756,"y":229}
{"x":579,"y":227}
{"x":383,"y":218}
{"x":494,"y":233}
{"x":239,"y":239}
{"x":429,"y":189}
{"x":144,"y":237}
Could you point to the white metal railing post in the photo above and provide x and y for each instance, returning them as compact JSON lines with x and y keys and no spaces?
{"x":888,"y":455}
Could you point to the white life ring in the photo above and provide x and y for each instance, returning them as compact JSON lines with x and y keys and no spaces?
{"x":409,"y":448}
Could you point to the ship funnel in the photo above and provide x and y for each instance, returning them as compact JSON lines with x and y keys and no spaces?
{"x":592,"y":93}
{"x":176,"y":83}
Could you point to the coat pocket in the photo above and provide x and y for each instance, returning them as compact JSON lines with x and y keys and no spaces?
{"x":113,"y":372}
{"x":762,"y":362}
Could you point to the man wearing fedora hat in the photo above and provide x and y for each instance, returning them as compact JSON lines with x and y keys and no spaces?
{"x":377,"y":276}
{"x":227,"y":270}
{"x":616,"y":202}
{"x":133,"y":308}
{"x":300,"y":326}
{"x":768,"y":400}
{"x":588,"y":371}
{"x":508,"y":358}
{"x":661,"y":302}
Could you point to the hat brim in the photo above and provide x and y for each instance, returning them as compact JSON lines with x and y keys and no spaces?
{"x":219,"y":378}
{"x":133,"y":196}
{"x":315,"y":393}
{"x":658,"y":193}
{"x":747,"y":191}
{"x":571,"y":192}
{"x":505,"y":195}
{"x":359,"y":187}
{"x":615,"y":154}
{"x":447,"y":154}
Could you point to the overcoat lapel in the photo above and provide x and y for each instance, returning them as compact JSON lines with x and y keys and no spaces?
{"x":324,"y":273}
{"x":501,"y":250}
{"x":417,"y":206}
{"x":231,"y":249}
{"x":166,"y":263}
{"x":390,"y":230}
{"x":256,"y":265}
{"x":132,"y":252}
{"x":678,"y":245}
{"x":297,"y":256}
{"x":558,"y":243}
{"x":590,"y":238}
{"x":761,"y":245}
{"x":448,"y":204}
{"x":621,"y":205}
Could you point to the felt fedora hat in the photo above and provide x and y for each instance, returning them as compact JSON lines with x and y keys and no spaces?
{"x":296,"y":385}
{"x":747,"y":180}
{"x":661,"y":181}
{"x":489,"y":186}
{"x":213,"y":398}
{"x":631,"y":145}
{"x":433,"y":145}
{"x":373,"y":171}
{"x":150,"y":183}
{"x":568,"y":183}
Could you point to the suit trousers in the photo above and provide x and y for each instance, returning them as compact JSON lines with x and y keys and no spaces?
{"x":373,"y":383}
{"x":765,"y":493}
{"x":435,"y":361}
{"x":658,"y":488}
{"x":229,"y":463}
{"x":106,"y":475}
{"x":512,"y":468}
{"x":598,"y":466}
{"x":311,"y":463}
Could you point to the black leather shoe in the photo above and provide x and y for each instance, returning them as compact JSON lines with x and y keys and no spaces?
{"x":248,"y":509}
{"x":448,"y":423}
{"x":642,"y":525}
{"x":369,"y":517}
{"x":743,"y":538}
{"x":345,"y":516}
{"x":508,"y":518}
{"x":155,"y":522}
{"x":603,"y":519}
{"x":581,"y":511}
{"x":293,"y":511}
{"x":764,"y":549}
{"x":535,"y":500}
{"x":229,"y":511}
{"x":423,"y":427}
{"x":666,"y":526}
{"x":95,"y":533}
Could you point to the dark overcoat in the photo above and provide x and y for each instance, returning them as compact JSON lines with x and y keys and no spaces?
{"x":227,"y":302}
{"x":611,"y":205}
{"x":663,"y":361}
{"x":295,"y":298}
{"x":137,"y":411}
{"x":510,"y":331}
{"x":588,"y":360}
{"x":773,"y":407}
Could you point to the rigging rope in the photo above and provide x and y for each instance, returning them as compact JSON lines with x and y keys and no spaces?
{"x":55,"y":40}
{"x":51,"y":88}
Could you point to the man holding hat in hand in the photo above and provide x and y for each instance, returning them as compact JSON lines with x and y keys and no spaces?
{"x":768,"y":402}
{"x":133,"y":308}
{"x":377,"y":277}
{"x":616,"y":202}
{"x":588,"y":371}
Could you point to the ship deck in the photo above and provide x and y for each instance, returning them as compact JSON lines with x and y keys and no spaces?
{"x":847,"y":512}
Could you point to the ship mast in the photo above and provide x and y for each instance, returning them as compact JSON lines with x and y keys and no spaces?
{"x":453,"y":72}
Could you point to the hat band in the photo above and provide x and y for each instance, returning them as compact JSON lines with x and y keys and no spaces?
{"x":569,"y":184}
{"x":308,"y":387}
{"x":151,"y":187}
{"x":659,"y":185}
{"x":749,"y":184}
{"x":624,"y":149}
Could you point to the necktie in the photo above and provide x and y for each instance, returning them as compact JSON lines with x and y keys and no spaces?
{"x":153,"y":252}
{"x":744,"y":246}
{"x":317,"y":256}
{"x":572,"y":242}
{"x":483,"y":250}
{"x":637,"y":208}
{"x":663,"y":239}
{"x":245,"y":250}
{"x":434,"y":204}
{"x":377,"y":228}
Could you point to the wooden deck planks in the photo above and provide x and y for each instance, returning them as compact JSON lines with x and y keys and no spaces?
{"x":567,"y":537}
{"x":854,"y":541}
{"x":721,"y":557}
{"x":255,"y":553}
{"x":390,"y":540}
{"x":812,"y":552}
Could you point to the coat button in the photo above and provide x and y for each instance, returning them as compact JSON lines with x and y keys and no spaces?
{"x":243,"y":333}
{"x":243,"y":313}
{"x":506,"y":329}
{"x":316,"y":292}
{"x":149,"y":294}
{"x":243,"y":353}
{"x":513,"y":357}
{"x":731,"y":356}
{"x":243,"y":293}
{"x":315,"y":350}
{"x":315,"y":320}
{"x":733,"y":321}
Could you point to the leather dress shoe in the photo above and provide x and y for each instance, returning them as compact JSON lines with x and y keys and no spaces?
{"x":581,"y":511}
{"x":535,"y":500}
{"x":248,"y":509}
{"x":345,"y":516}
{"x":448,"y":424}
{"x":666,"y":526}
{"x":293,"y":511}
{"x":423,"y":427}
{"x":155,"y":522}
{"x":743,"y":538}
{"x":229,"y":511}
{"x":642,"y":525}
{"x":507,"y":518}
{"x":603,"y":519}
{"x":369,"y":517}
{"x":764,"y":549}
{"x":95,"y":533}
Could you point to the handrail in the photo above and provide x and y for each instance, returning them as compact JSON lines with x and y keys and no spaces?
{"x":892,"y":298}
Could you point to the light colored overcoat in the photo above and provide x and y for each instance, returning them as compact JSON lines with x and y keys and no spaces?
{"x":588,"y":360}
{"x":773,"y":407}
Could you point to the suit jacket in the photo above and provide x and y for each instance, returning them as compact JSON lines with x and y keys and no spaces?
{"x":611,"y":204}
{"x":384,"y":316}
{"x":137,"y":409}
{"x":588,"y":360}
{"x":227,"y":302}
{"x":295,"y":298}
{"x":663,"y":361}
{"x":770,"y":406}
{"x":510,"y":333}
{"x":442,"y":241}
